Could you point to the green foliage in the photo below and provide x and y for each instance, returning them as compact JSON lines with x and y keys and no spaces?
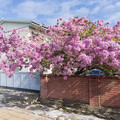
{"x":76,"y":17}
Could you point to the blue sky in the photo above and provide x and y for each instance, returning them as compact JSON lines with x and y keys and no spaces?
{"x":49,"y":10}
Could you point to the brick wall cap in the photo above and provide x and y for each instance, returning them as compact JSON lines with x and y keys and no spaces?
{"x":83,"y":76}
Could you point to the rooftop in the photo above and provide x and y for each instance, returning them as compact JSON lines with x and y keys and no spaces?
{"x":21,"y":21}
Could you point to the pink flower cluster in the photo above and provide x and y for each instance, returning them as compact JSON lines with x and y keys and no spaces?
{"x":77,"y":43}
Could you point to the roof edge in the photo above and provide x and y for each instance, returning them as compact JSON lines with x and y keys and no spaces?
{"x":22,"y":21}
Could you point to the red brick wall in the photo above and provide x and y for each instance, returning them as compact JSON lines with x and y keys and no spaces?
{"x":93,"y":90}
{"x":109,"y":92}
{"x":73,"y":89}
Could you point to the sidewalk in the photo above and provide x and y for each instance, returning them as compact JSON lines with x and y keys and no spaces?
{"x":22,"y":105}
{"x":13,"y":115}
{"x":10,"y":114}
{"x":18,"y":114}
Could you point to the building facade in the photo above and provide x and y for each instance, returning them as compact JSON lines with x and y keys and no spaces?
{"x":21,"y":79}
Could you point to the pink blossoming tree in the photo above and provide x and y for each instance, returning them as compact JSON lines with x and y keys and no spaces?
{"x":76,"y":46}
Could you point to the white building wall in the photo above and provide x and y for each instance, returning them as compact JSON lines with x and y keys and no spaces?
{"x":20,"y":79}
{"x":27,"y":32}
{"x":10,"y":26}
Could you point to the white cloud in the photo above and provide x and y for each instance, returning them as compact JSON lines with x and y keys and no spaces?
{"x":4,"y":3}
{"x":67,"y":9}
{"x":31,"y":9}
{"x":51,"y":21}
{"x":95,"y":10}
{"x":118,"y":4}
{"x":109,"y":8}
{"x":49,"y":10}
{"x":82,"y":11}
{"x":111,"y":12}
{"x":113,"y":18}
{"x":67,"y":5}
{"x":99,"y":2}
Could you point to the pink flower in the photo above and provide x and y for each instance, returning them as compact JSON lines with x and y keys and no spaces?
{"x":65,"y":77}
{"x":77,"y":43}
